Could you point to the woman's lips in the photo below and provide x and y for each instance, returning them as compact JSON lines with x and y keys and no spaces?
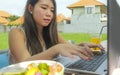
{"x":47,"y":20}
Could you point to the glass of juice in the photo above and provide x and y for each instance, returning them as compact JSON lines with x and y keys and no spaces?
{"x":95,"y":39}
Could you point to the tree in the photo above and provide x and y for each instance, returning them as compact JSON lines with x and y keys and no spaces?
{"x":13,"y":18}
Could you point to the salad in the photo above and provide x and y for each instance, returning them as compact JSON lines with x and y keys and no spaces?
{"x":43,"y":69}
{"x":36,"y":67}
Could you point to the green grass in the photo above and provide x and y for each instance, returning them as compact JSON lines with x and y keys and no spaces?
{"x":3,"y":41}
{"x":80,"y":37}
{"x":76,"y":37}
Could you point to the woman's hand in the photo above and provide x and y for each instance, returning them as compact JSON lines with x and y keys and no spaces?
{"x":69,"y":50}
{"x":91,"y":45}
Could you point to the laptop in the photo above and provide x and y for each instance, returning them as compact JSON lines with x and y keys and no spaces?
{"x":97,"y":66}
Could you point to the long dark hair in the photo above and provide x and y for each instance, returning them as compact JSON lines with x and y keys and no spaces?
{"x":50,"y":34}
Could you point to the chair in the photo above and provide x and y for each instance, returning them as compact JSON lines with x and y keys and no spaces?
{"x":4,"y":59}
{"x":71,"y":41}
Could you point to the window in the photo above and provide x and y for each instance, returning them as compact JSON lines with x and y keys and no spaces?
{"x":89,"y":9}
{"x":68,"y":22}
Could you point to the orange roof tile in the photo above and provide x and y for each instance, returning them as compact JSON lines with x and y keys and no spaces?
{"x":19,"y":21}
{"x":85,"y":3}
{"x":60,"y":17}
{"x":3,"y":21}
{"x":4,"y":14}
{"x":67,"y":18}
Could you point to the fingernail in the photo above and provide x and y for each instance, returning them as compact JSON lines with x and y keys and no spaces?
{"x":90,"y":58}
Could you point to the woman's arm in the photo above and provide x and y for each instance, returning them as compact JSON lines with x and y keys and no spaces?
{"x":89,"y":44}
{"x":17,"y":45}
{"x":19,"y":50}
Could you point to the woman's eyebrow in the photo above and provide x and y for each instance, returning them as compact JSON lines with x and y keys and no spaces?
{"x":46,"y":5}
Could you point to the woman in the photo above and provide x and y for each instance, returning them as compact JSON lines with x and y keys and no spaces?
{"x":38,"y":38}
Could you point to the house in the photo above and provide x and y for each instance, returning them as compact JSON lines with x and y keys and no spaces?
{"x":4,"y":20}
{"x":4,"y":14}
{"x":4,"y":17}
{"x":62,"y":21}
{"x":87,"y":16}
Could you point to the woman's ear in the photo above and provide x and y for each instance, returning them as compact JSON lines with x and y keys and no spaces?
{"x":30,"y":8}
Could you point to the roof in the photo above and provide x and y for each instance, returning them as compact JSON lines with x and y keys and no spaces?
{"x":4,"y":14}
{"x":67,"y":18}
{"x":3,"y":21}
{"x":60,"y":17}
{"x":81,"y":3}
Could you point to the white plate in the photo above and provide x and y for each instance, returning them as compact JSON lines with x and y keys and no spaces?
{"x":21,"y":67}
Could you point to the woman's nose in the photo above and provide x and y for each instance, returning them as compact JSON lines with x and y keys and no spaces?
{"x":49,"y":13}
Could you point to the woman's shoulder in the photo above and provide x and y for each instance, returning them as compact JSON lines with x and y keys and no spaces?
{"x":16,"y":32}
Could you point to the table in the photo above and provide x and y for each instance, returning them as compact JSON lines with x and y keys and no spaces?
{"x":103,"y":43}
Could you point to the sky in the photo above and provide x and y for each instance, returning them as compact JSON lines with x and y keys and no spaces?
{"x":16,"y":7}
{"x":118,"y":1}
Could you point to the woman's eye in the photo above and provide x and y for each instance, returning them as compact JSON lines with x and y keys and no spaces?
{"x":52,"y":10}
{"x":44,"y":8}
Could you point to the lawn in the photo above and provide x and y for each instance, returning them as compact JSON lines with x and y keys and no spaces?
{"x":3,"y":41}
{"x":80,"y":37}
{"x":76,"y":37}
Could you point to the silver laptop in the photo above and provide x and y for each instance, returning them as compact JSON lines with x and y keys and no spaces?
{"x":82,"y":67}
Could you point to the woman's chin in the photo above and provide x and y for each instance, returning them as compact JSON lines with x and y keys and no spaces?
{"x":45,"y":24}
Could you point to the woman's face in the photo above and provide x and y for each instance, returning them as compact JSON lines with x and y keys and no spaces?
{"x":43,"y":12}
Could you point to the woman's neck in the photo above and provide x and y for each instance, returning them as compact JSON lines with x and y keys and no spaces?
{"x":40,"y":29}
{"x":40,"y":36}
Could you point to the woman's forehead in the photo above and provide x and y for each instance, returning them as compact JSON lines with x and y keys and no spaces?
{"x":46,"y":2}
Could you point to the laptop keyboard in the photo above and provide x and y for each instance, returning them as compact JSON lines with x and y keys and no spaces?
{"x":89,"y":65}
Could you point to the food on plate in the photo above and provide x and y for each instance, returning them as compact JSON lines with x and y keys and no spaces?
{"x":41,"y":68}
